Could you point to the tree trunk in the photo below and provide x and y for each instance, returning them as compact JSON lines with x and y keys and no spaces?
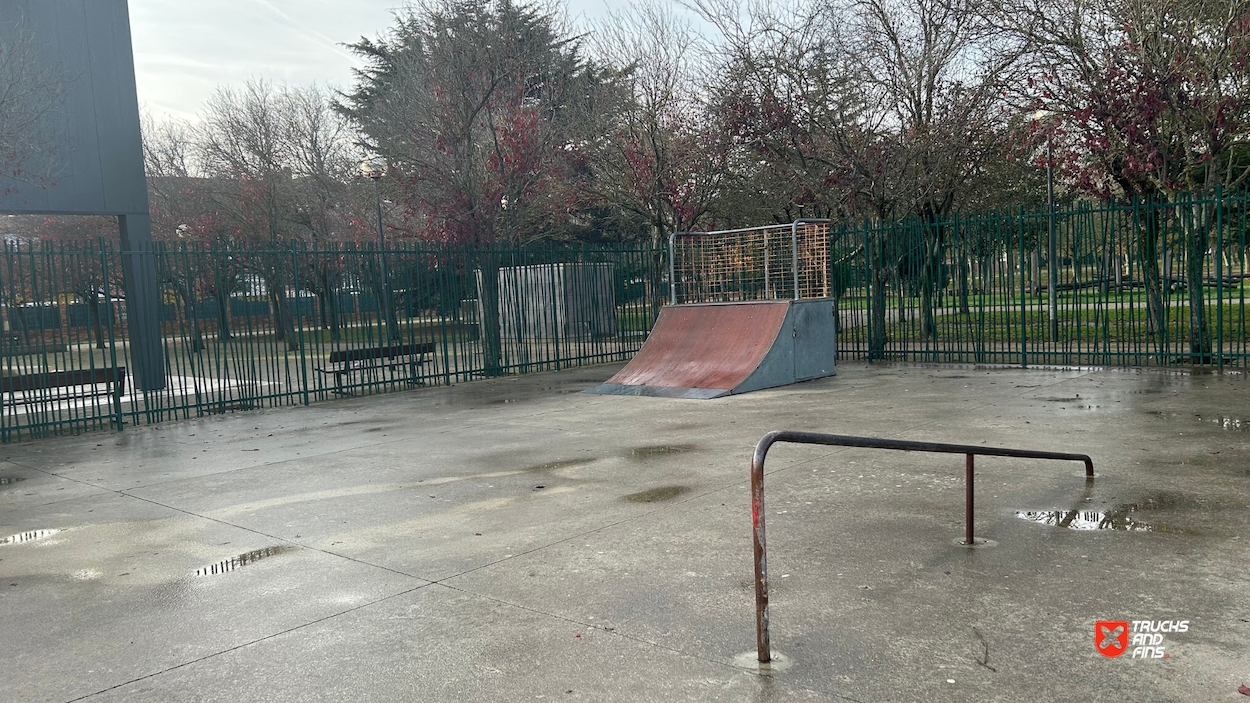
{"x":329,"y":312}
{"x":93,"y":313}
{"x":329,"y":303}
{"x":284,"y":324}
{"x":488,"y":295}
{"x":197,"y":340}
{"x":928,"y":323}
{"x":879,"y":276}
{"x":930,"y":276}
{"x":1076,"y":271}
{"x":223,"y":315}
{"x":1035,"y":274}
{"x":655,"y":282}
{"x":1148,"y":248}
{"x":1011,"y":269}
{"x":386,"y":308}
{"x":1105,"y":273}
{"x":965,"y":272}
{"x":1199,"y":330}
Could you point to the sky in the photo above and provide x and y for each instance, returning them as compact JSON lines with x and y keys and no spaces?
{"x":185,"y":49}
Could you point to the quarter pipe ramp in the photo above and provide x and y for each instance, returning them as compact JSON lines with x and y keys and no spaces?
{"x":711,"y":350}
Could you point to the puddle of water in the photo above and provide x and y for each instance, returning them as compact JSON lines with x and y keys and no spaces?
{"x":662,"y":494}
{"x":9,"y":480}
{"x":751,"y":662}
{"x":1160,"y":501}
{"x":1084,"y":520}
{"x":557,"y":465}
{"x":234,"y":563}
{"x":1061,"y":400}
{"x":652,"y":451}
{"x":31,"y":536}
{"x":1228,"y":423}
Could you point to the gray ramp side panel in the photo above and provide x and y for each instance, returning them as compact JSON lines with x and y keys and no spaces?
{"x":815,"y":341}
{"x":805,"y":348}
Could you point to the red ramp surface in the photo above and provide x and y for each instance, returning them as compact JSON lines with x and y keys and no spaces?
{"x":706,"y":351}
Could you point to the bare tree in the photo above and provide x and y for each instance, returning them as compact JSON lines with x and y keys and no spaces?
{"x":278,"y":159}
{"x":660,"y":156}
{"x":879,"y":108}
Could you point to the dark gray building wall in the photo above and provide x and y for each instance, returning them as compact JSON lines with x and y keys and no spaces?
{"x":97,"y":151}
{"x":91,"y":160}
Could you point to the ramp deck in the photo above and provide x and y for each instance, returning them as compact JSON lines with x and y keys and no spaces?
{"x":710,"y":350}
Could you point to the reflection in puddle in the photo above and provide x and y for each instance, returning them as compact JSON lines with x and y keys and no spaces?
{"x":31,"y":536}
{"x":657,"y":495}
{"x":7,"y":480}
{"x":1228,"y":423}
{"x":243,"y":560}
{"x":1121,"y":517}
{"x":644,"y":453}
{"x":1084,"y":520}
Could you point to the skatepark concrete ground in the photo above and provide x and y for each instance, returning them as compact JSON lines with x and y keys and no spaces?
{"x":518,"y":540}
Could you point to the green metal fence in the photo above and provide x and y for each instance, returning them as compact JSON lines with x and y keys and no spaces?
{"x":245,"y":329}
{"x":1146,"y":283}
{"x":1135,"y":283}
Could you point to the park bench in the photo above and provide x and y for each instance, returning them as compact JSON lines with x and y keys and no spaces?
{"x":90,"y":383}
{"x":349,"y":361}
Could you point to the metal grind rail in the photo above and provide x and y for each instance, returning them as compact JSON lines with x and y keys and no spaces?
{"x":757,"y":495}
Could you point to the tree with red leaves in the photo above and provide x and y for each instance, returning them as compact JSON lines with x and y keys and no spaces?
{"x":479,"y":106}
{"x":1150,"y":100}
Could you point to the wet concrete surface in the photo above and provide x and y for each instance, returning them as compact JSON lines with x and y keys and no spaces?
{"x":518,"y":540}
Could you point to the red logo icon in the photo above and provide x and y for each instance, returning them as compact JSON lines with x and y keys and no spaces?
{"x":1111,"y":637}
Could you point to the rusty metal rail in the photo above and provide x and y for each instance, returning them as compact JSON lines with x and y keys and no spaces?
{"x":757,"y":495}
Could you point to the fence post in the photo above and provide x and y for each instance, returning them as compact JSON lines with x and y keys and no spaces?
{"x":1024,"y":314}
{"x":794,"y":256}
{"x":1219,"y":276}
{"x":108,"y":309}
{"x":672,"y":271}
{"x":767,"y":295}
